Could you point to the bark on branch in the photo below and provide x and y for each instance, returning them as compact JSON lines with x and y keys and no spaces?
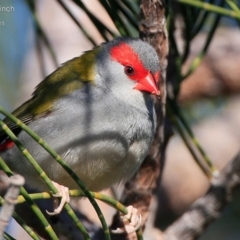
{"x":209,"y":207}
{"x":139,"y":191}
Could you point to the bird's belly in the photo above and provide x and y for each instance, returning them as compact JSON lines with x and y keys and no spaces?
{"x":99,"y":169}
{"x":102,"y":148}
{"x":98,"y":165}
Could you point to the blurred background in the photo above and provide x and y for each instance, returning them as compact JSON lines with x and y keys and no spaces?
{"x":208,"y":95}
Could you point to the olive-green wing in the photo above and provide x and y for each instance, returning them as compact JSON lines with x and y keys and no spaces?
{"x":70,"y":76}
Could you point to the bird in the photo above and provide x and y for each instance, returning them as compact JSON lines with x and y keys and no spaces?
{"x":96,"y":111}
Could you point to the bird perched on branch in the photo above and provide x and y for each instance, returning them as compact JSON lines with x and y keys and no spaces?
{"x":96,"y":112}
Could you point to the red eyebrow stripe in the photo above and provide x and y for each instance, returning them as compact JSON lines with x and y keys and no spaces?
{"x":6,"y":145}
{"x":125,"y":55}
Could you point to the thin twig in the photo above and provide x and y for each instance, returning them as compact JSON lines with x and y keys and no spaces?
{"x":10,"y":198}
{"x":209,"y":207}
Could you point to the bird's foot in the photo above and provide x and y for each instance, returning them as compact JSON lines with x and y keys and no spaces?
{"x":63,"y":192}
{"x":132,"y":221}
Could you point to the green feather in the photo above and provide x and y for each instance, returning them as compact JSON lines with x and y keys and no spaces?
{"x":70,"y":76}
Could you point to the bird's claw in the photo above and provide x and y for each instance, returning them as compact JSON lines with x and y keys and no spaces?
{"x":132,"y":221}
{"x":63,"y":192}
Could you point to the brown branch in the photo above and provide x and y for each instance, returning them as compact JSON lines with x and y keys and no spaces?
{"x":10,"y":198}
{"x":139,"y":191}
{"x":209,"y":207}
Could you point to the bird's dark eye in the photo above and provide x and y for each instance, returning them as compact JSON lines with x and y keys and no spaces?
{"x":129,"y":71}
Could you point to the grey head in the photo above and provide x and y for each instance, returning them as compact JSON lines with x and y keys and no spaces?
{"x":145,"y":51}
{"x":125,"y":64}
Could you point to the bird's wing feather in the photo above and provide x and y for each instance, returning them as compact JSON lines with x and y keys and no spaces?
{"x":70,"y":76}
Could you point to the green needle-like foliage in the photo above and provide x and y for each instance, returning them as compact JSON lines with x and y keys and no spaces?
{"x":43,"y":174}
{"x":28,"y":199}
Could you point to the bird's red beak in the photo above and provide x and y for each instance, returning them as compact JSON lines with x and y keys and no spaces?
{"x":149,"y":84}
